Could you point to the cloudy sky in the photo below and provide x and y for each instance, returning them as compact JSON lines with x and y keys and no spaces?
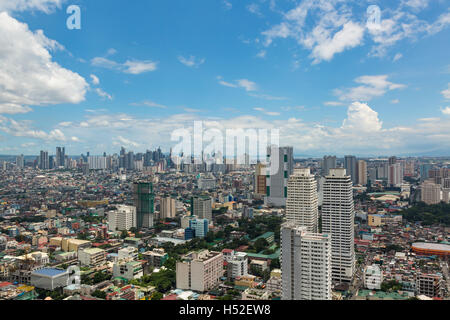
{"x":325,"y":73}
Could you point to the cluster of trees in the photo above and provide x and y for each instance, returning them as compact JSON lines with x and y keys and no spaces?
{"x":429,"y":214}
{"x":163,"y":281}
{"x":98,"y":277}
{"x":389,"y":286}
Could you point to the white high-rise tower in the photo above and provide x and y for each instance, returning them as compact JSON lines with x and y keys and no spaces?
{"x":305,"y":264}
{"x":302,"y":200}
{"x":338,"y":221}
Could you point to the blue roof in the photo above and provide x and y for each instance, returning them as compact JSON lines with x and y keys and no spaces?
{"x":50,"y":272}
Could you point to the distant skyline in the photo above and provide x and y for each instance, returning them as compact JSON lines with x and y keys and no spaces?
{"x":314,"y":69}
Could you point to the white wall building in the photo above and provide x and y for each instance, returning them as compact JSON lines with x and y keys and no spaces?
{"x":302,"y":200}
{"x":199,"y":271}
{"x":373,"y":277}
{"x":305,"y":264}
{"x":338,"y":215}
{"x":281,"y":161}
{"x":123,"y":218}
{"x":237,"y":265}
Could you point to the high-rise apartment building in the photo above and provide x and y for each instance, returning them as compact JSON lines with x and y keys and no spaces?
{"x":167,"y":208}
{"x":305,"y":264}
{"x":60,"y":156}
{"x":351,"y":166}
{"x":144,"y":201}
{"x":338,"y":221}
{"x":44,"y":161}
{"x":302,"y":200}
{"x":362,"y":172}
{"x":395,"y":175}
{"x":201,"y":206}
{"x":199,"y":271}
{"x":328,"y":162}
{"x":123,"y":218}
{"x":281,"y":161}
{"x":20,"y":162}
{"x":431,"y":192}
{"x":260,"y":179}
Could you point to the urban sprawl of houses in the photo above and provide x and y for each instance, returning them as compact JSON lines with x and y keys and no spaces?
{"x":143,"y":227}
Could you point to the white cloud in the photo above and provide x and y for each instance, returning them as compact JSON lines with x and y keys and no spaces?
{"x":261,"y":54}
{"x":28,"y":76}
{"x":334,"y":103}
{"x":228,"y":4}
{"x":23,"y":129}
{"x":360,"y":117}
{"x":348,"y":37}
{"x":372,"y":86}
{"x":268,"y":113}
{"x":446,"y":93}
{"x":329,"y":27}
{"x":395,"y":101}
{"x":130,"y":66}
{"x":397,"y":57}
{"x":121,"y":141}
{"x":242,"y":83}
{"x":46,"y":6}
{"x":191,"y":61}
{"x":10,"y":108}
{"x":138,"y":67}
{"x":247,"y":84}
{"x":103,"y":94}
{"x":94,"y":79}
{"x":266,"y":97}
{"x":446,"y":111}
{"x":150,"y":104}
{"x":254,"y":8}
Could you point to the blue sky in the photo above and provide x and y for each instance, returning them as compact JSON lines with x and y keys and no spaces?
{"x":138,"y":70}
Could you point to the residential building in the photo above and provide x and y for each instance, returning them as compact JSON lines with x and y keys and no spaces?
{"x":305,"y":264}
{"x":281,"y":161}
{"x":338,"y":216}
{"x":123,"y":218}
{"x":302,"y":200}
{"x":199,"y":271}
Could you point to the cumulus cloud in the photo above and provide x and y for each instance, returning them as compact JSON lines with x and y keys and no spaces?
{"x":46,"y":6}
{"x":371,"y":87}
{"x":329,"y":27}
{"x":24,"y":129}
{"x":446,"y":92}
{"x":28,"y":76}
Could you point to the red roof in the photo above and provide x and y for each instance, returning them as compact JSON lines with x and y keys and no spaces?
{"x":227,"y":251}
{"x":5,"y":284}
{"x":170,"y":297}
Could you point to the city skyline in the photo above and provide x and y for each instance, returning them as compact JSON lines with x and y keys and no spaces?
{"x":317,"y":70}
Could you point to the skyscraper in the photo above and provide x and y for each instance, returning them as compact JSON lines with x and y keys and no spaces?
{"x":276,"y":182}
{"x":338,"y":221}
{"x":20,"y":161}
{"x":362,"y":172}
{"x":305,"y":264}
{"x":395,"y":175}
{"x":201,"y":206}
{"x":302,"y":200}
{"x":167,"y":208}
{"x":144,"y":202}
{"x":328,"y":162}
{"x":60,"y":156}
{"x":350,"y":165}
{"x":44,"y":162}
